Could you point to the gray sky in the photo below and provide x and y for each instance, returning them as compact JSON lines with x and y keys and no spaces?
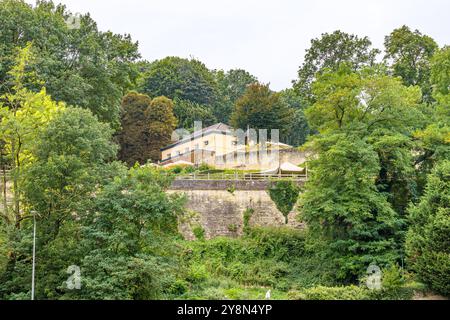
{"x":266,"y":38}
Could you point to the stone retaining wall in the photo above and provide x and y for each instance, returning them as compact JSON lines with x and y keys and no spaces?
{"x":220,"y":212}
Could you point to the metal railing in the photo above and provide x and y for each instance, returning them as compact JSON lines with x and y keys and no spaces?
{"x":241,"y":176}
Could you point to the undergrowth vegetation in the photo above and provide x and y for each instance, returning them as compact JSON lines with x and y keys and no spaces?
{"x":268,"y":258}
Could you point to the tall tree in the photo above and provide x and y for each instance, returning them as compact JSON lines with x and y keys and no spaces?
{"x":231,"y":86}
{"x":349,"y":221}
{"x":260,"y":108}
{"x":187,"y":112}
{"x":80,"y":66}
{"x":440,"y":79}
{"x":433,"y":141}
{"x":133,"y":137}
{"x":23,"y":114}
{"x":409,"y":54}
{"x":178,"y":78}
{"x":329,"y":52}
{"x":161,"y":124}
{"x":428,"y":239}
{"x":362,"y":172}
{"x":71,"y":156}
{"x":371,"y":104}
{"x":147,"y":126}
{"x":130,"y":243}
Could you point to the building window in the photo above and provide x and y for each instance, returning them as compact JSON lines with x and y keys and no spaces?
{"x":206,"y":142}
{"x":234,"y":143}
{"x":178,"y":153}
{"x":169,"y":155}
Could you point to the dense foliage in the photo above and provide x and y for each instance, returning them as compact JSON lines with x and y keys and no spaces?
{"x":285,"y":195}
{"x":260,"y":108}
{"x":147,"y":126}
{"x":83,"y":67}
{"x":428,"y":239}
{"x":329,"y":52}
{"x":410,"y":53}
{"x":377,"y":137}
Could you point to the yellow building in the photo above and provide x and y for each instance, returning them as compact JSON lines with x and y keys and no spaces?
{"x":201,"y":146}
{"x":224,"y":148}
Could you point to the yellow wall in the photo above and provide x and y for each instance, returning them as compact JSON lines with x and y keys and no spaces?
{"x":217,"y":142}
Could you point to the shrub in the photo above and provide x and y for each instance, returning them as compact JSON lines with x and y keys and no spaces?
{"x":197,"y":273}
{"x":285,"y":195}
{"x":331,"y":293}
{"x":178,"y":287}
{"x":246,"y":218}
{"x":231,"y":189}
{"x":198,"y":232}
{"x":232,"y":227}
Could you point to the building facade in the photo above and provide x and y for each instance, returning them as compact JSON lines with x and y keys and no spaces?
{"x":219,"y":146}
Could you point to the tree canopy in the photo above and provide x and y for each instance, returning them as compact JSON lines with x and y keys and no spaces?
{"x":83,"y":67}
{"x":329,"y":52}
{"x":260,"y":108}
{"x":147,"y":126}
{"x":409,"y":53}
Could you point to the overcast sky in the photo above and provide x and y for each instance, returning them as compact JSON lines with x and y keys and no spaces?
{"x":268,"y":38}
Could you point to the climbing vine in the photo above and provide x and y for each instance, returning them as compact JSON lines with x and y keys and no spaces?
{"x":285,"y":195}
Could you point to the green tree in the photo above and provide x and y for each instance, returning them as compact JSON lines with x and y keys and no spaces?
{"x":367,"y":100}
{"x":440,"y":79}
{"x":147,"y":126}
{"x":130,"y":239}
{"x":231,"y":86}
{"x":161,"y":124}
{"x":178,"y":78}
{"x":428,"y":239}
{"x":329,"y":52}
{"x":299,"y":129}
{"x":23,"y":114}
{"x":285,"y":196}
{"x":72,"y":156}
{"x":133,"y":137}
{"x":362,"y":173}
{"x":260,"y":108}
{"x":349,"y":221}
{"x":187,"y":112}
{"x":433,"y":141}
{"x":83,"y":67}
{"x":409,"y":54}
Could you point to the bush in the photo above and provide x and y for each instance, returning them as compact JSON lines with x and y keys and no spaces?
{"x":197,"y":273}
{"x":331,"y":293}
{"x":264,"y":257}
{"x":198,"y":232}
{"x":178,"y":287}
{"x":246,"y":218}
{"x":285,"y":195}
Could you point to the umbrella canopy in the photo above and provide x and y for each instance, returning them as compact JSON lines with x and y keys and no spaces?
{"x":288,"y":167}
{"x":285,"y":168}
